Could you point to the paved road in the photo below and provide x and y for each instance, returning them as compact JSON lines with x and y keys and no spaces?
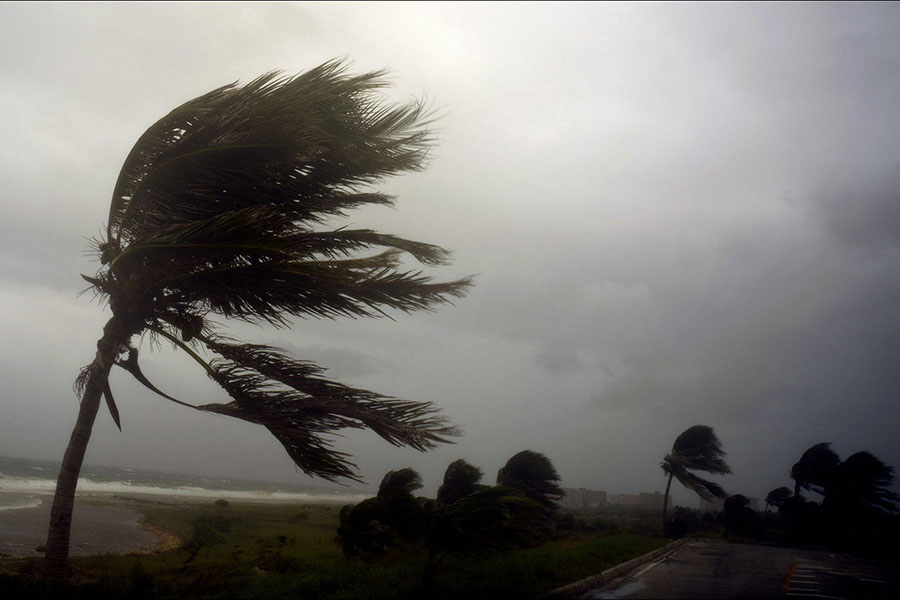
{"x":722,"y":570}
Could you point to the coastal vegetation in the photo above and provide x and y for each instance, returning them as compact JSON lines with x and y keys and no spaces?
{"x":248,"y":550}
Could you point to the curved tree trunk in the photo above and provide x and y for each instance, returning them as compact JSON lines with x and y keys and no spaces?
{"x":57,"y":557}
{"x":666,"y":505}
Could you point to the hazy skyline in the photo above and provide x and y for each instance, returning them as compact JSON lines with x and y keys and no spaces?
{"x":679,"y":214}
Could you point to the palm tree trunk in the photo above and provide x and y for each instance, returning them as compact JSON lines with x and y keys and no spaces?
{"x":57,"y":557}
{"x":666,"y":504}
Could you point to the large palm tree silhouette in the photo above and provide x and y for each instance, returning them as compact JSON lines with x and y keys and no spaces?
{"x":696,"y":449}
{"x":220,"y":210}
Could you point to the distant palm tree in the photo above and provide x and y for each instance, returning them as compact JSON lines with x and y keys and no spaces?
{"x":391,"y":519}
{"x":533,"y":474}
{"x":220,"y":211}
{"x":816,"y":469}
{"x":460,"y":480}
{"x":777,"y":497}
{"x":696,"y":449}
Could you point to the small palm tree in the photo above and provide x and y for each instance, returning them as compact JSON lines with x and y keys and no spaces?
{"x":460,"y":480}
{"x":533,"y":474}
{"x":777,"y":497}
{"x":696,"y":449}
{"x":816,"y":469}
{"x":220,"y":211}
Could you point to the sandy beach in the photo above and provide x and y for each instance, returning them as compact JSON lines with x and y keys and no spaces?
{"x":96,"y":529}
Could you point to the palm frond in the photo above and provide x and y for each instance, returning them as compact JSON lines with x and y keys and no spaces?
{"x":111,"y":404}
{"x":708,"y":490}
{"x":292,"y":399}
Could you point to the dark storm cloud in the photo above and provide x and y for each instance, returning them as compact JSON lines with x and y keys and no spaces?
{"x":679,"y":214}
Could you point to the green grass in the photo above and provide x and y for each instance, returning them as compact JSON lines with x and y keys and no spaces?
{"x":288,"y":551}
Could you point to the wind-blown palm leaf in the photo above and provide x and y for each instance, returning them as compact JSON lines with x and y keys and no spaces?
{"x":708,"y":490}
{"x":291,"y":399}
{"x":220,"y":209}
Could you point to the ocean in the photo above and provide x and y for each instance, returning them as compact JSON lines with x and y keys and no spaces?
{"x":27,"y":483}
{"x":26,"y":493}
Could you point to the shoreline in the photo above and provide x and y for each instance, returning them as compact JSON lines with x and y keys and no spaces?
{"x":103,"y":523}
{"x":166,"y":540}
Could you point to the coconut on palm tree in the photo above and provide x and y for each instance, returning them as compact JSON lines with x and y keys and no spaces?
{"x":220,"y":211}
{"x":696,"y":449}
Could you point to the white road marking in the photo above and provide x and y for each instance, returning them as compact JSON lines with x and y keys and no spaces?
{"x":645,"y":569}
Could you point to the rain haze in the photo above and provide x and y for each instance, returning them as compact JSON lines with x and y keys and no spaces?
{"x":678,"y":214}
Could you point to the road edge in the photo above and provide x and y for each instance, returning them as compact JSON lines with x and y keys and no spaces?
{"x":570,"y":590}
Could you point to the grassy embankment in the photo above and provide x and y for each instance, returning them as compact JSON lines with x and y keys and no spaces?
{"x":271,"y":551}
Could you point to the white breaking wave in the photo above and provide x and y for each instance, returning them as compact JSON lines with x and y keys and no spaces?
{"x":47,"y":486}
{"x":34,"y":503}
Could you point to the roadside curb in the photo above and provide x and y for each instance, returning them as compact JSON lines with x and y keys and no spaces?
{"x":582,"y":585}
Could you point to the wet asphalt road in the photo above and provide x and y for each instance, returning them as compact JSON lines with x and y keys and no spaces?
{"x":723,"y":570}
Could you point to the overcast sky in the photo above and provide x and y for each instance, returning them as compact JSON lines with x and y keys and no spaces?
{"x":679,"y":214}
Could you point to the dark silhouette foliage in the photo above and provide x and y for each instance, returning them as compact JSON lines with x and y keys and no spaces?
{"x":815,"y":469}
{"x":738,"y":517}
{"x":533,"y":474}
{"x":860,"y":483}
{"x":460,"y":480}
{"x":392,"y":519}
{"x":777,"y":497}
{"x":858,"y":512}
{"x":471,"y":520}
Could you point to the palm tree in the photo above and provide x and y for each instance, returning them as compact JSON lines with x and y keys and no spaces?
{"x":391,"y":519}
{"x":816,"y":469}
{"x":220,"y":210}
{"x":460,"y":480}
{"x":777,"y":497}
{"x":533,"y":474}
{"x":696,"y":449}
{"x":862,"y":483}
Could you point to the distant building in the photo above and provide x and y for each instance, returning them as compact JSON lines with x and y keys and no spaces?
{"x":582,"y":498}
{"x":644,"y":500}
